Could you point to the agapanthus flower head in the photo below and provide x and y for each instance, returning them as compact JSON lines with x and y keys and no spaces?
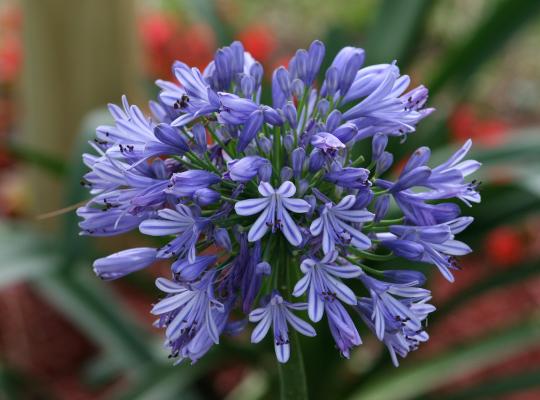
{"x":245,"y":195}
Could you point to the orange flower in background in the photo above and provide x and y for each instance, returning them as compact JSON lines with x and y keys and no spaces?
{"x":464,"y":124}
{"x":259,"y":40}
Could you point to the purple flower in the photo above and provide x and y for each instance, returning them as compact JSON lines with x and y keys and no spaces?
{"x":316,"y":160}
{"x":327,"y":142}
{"x":378,"y":145}
{"x":252,"y":126}
{"x":114,"y":209}
{"x":113,"y":221}
{"x":349,"y":177}
{"x":401,"y":336}
{"x":273,"y":208}
{"x":305,"y":65}
{"x":222,"y":239}
{"x":298,"y":157}
{"x":432,"y":244}
{"x":181,"y":222}
{"x":384,"y":107}
{"x":345,"y":132}
{"x":387,"y":300}
{"x":169,"y":141}
{"x":236,"y":110}
{"x":247,"y":168}
{"x":185,"y":270}
{"x":124,"y":262}
{"x":188,"y":182}
{"x":186,"y":311}
{"x":162,"y":175}
{"x":289,"y":110}
{"x":277,"y":313}
{"x":346,"y":65}
{"x":342,"y":327}
{"x":368,"y":79}
{"x":321,"y":280}
{"x":199,"y":99}
{"x":252,"y":279}
{"x":205,"y":197}
{"x":447,"y":179}
{"x":131,"y":128}
{"x":335,"y":224}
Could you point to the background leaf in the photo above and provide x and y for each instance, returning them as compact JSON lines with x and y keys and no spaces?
{"x":423,"y":376}
{"x":407,"y":20}
{"x":487,"y":39}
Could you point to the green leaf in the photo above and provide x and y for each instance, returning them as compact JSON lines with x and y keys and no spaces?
{"x":100,"y":315}
{"x":523,"y":146}
{"x":206,"y":10}
{"x":496,"y":388}
{"x":292,"y":375}
{"x":500,"y":205}
{"x":25,"y":254}
{"x":100,"y":371}
{"x":490,"y":36}
{"x":415,"y":378}
{"x":38,"y":159}
{"x":494,"y":280}
{"x":163,"y":383}
{"x":16,"y":385}
{"x":407,"y":20}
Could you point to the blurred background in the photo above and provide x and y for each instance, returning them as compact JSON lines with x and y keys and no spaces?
{"x":66,"y":335}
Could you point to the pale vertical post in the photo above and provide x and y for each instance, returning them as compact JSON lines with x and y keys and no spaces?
{"x":78,"y":55}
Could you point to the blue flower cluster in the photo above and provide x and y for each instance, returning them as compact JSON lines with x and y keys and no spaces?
{"x":256,"y":206}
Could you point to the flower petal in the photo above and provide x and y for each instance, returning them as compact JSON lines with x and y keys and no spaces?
{"x":301,"y":286}
{"x":296,"y":205}
{"x":316,"y":226}
{"x":299,"y":324}
{"x":168,"y":286}
{"x":315,"y":305}
{"x":287,"y":189}
{"x":251,"y":206}
{"x":261,"y":329}
{"x":161,"y":227}
{"x":265,"y":189}
{"x":259,"y":228}
{"x":171,"y":303}
{"x":283,"y":351}
{"x":289,"y":228}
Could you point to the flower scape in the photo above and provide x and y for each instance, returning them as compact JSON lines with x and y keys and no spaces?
{"x":267,"y":214}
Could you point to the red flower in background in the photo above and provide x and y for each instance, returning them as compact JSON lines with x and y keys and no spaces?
{"x":10,"y":43}
{"x":464,"y":124}
{"x":505,"y":246}
{"x":10,"y":58}
{"x":166,"y":38}
{"x":259,"y":40}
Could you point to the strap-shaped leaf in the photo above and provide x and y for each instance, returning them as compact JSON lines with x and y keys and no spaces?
{"x":421,"y":377}
{"x":484,"y":42}
{"x":407,"y":19}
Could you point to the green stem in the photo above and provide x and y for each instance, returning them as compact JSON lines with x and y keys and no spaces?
{"x":367,"y":269}
{"x":371,"y":256}
{"x":276,"y":154}
{"x":292,"y":375}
